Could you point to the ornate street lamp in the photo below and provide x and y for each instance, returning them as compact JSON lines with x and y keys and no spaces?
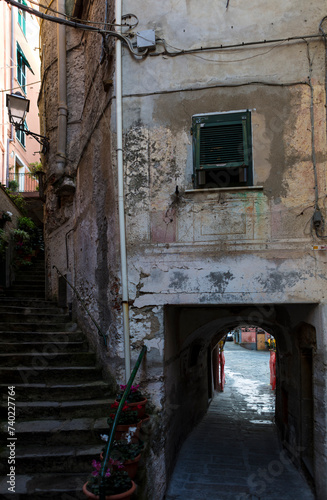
{"x":18,"y":107}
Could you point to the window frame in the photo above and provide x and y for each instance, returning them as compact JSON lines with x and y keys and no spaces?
{"x":21,"y":135}
{"x":238,"y":171}
{"x":22,"y":17}
{"x":21,"y":69}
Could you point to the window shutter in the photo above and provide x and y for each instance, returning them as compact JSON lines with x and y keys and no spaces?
{"x":222,"y":141}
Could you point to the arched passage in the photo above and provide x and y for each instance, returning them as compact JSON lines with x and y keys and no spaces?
{"x":191,"y":334}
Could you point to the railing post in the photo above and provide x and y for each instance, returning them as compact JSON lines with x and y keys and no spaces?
{"x":102,"y":494}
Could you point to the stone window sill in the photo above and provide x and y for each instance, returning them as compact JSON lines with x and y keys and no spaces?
{"x":214,"y":190}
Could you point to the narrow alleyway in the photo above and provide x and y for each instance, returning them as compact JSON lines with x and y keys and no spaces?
{"x":234,"y":453}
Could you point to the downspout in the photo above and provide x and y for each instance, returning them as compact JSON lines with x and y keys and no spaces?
{"x":12,"y":66}
{"x":62,"y":93}
{"x":121,"y":208}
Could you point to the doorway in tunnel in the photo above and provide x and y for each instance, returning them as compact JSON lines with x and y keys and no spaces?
{"x":192,"y":334}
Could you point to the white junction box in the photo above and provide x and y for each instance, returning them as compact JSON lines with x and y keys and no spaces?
{"x":146,"y":39}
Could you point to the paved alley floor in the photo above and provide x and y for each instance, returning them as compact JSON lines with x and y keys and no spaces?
{"x":234,"y":453}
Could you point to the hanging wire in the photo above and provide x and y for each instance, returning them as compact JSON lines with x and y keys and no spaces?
{"x":79,"y":25}
{"x":72,"y":18}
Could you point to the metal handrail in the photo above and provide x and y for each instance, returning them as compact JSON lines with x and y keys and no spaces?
{"x":102,"y":494}
{"x":100,"y":332}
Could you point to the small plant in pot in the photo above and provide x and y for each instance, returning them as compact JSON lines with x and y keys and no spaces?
{"x":128,"y":418}
{"x":117,"y":483}
{"x":127,"y":452}
{"x":135,"y":399}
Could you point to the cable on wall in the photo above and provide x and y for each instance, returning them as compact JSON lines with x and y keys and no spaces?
{"x":79,"y":25}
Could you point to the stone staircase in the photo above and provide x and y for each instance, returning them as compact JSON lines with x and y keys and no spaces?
{"x":61,"y":401}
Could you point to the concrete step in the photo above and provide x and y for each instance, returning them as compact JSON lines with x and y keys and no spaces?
{"x":19,"y":317}
{"x":35,"y":294}
{"x":50,"y":375}
{"x":27,"y":302}
{"x":58,"y":486}
{"x":30,"y":459}
{"x":43,"y":347}
{"x":52,"y":357}
{"x":38,"y":279}
{"x":60,"y":392}
{"x":59,"y":337}
{"x":30,"y":410}
{"x":26,"y":287}
{"x":37,"y":327}
{"x":55,"y":432}
{"x":31,"y":309}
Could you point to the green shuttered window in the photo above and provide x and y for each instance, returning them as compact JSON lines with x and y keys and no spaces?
{"x":222,"y":150}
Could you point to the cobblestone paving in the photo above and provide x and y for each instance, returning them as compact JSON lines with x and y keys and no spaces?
{"x":234,"y":453}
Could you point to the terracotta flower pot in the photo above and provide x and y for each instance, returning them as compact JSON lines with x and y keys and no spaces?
{"x":119,"y":496}
{"x":139,"y":406}
{"x":131,"y":429}
{"x":145,"y":419}
{"x":130,"y":466}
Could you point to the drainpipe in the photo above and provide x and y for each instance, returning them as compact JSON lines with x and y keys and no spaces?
{"x":12,"y":65}
{"x":62,"y":93}
{"x":121,"y":207}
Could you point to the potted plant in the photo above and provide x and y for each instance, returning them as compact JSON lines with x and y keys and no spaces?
{"x":118,"y":484}
{"x":135,"y":399}
{"x":6,"y":216}
{"x":128,"y":421}
{"x":4,"y":239}
{"x":127,"y":453}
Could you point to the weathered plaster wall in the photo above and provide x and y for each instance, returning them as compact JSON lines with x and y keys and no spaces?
{"x":223,"y":246}
{"x":80,"y":226}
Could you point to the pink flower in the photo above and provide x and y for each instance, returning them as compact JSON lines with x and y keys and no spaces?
{"x":108,"y":473}
{"x":95,"y":473}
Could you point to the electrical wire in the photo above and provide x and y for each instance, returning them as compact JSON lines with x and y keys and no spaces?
{"x":180,"y":52}
{"x":19,"y":87}
{"x":232,"y":60}
{"x":48,"y":8}
{"x":78,"y":25}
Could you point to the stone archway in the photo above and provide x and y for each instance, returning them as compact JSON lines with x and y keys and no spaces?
{"x":193,"y":330}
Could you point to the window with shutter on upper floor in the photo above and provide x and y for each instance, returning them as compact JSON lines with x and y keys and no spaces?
{"x":22,"y":17}
{"x":222,"y":150}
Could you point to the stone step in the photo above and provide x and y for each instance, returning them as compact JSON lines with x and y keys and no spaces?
{"x":43,"y":347}
{"x":36,"y":327}
{"x":31,"y":309}
{"x":27,"y":302}
{"x":52,"y":432}
{"x":50,"y":375}
{"x":44,"y":337}
{"x":30,"y":459}
{"x":35,"y":269}
{"x":52,"y":357}
{"x":58,"y":486}
{"x":26,"y":287}
{"x":60,"y":392}
{"x":37,"y":277}
{"x":30,"y":410}
{"x":19,"y":317}
{"x":16,"y":294}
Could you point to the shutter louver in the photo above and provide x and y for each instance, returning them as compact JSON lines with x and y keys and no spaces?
{"x":221,"y":144}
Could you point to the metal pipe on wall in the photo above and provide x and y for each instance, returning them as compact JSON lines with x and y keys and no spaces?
{"x":62,"y":93}
{"x":121,"y":207}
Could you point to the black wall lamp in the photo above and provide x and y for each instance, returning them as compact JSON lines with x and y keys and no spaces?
{"x":18,"y":107}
